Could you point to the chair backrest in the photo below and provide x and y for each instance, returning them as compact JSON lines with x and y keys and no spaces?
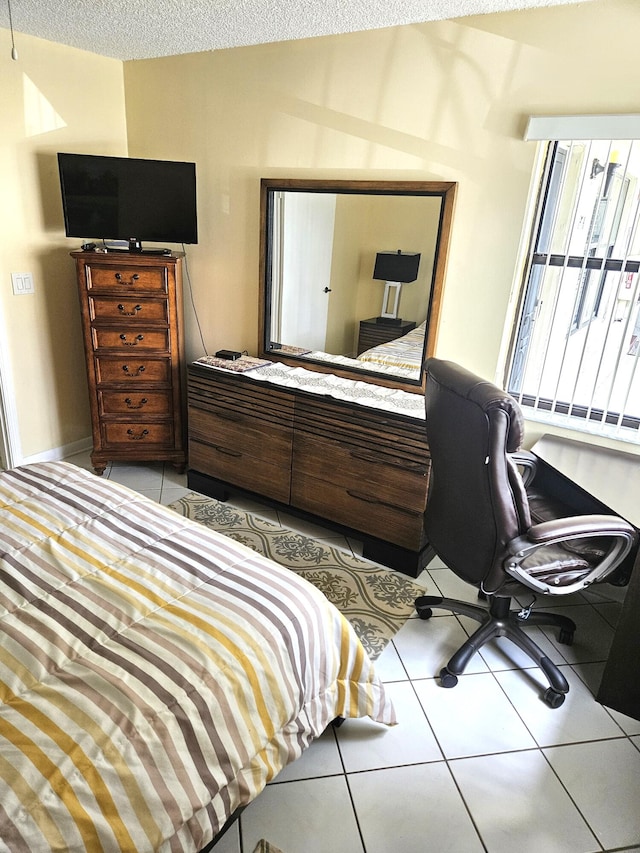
{"x":477,"y":502}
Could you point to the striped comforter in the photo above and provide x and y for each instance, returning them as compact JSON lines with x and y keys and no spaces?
{"x":154,"y":675}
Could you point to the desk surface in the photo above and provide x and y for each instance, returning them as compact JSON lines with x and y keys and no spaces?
{"x":611,"y":476}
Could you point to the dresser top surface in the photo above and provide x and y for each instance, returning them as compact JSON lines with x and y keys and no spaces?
{"x":327,"y":385}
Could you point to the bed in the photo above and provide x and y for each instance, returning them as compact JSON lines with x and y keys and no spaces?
{"x":404,"y":353}
{"x":155,"y":675}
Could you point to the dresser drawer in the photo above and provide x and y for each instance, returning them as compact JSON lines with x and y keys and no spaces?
{"x":126,"y":278}
{"x":134,"y":370}
{"x":264,"y":476}
{"x":135,"y":402}
{"x":365,"y":469}
{"x":360,"y":507}
{"x":382,"y":477}
{"x":130,"y":309}
{"x":141,"y":433}
{"x":231,"y":397}
{"x":241,"y":433}
{"x":129,"y":338}
{"x":235,"y":431}
{"x":373,"y":431}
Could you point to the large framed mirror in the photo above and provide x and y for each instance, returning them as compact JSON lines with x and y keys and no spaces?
{"x":352,"y":275}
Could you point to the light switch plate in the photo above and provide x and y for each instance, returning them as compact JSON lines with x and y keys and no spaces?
{"x":22,"y":283}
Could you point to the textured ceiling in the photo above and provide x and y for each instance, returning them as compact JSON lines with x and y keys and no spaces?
{"x":132,"y":29}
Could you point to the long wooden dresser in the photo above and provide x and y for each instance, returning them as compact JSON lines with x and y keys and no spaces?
{"x":363,"y":469}
{"x":134,"y":346}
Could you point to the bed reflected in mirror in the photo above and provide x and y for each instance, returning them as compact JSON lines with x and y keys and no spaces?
{"x":352,"y":275}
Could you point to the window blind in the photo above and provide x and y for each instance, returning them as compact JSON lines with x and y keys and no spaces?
{"x":576,"y":353}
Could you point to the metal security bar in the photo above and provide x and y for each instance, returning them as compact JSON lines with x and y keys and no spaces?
{"x":575,"y":358}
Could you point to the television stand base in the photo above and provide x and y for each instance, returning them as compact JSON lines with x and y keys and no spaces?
{"x":140,"y":251}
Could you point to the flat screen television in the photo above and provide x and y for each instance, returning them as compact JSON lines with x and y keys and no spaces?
{"x":124,"y":198}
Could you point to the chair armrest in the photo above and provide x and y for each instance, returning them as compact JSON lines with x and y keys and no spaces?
{"x":578,"y":526}
{"x":527,"y":464}
{"x":561,"y":530}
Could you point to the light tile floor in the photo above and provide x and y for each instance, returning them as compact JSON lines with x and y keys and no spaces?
{"x":483,"y":767}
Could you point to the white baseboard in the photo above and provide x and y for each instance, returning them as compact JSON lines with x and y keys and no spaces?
{"x":58,"y":453}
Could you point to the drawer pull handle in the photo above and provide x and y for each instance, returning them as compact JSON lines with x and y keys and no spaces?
{"x":235,"y":453}
{"x":370,"y":499}
{"x":139,"y":436}
{"x":133,"y":278}
{"x":132,"y":405}
{"x":125,"y":368}
{"x":127,"y":343}
{"x":375,"y":459}
{"x":126,"y":313}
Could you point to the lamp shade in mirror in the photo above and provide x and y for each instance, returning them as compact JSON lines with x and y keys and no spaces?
{"x":395,"y":269}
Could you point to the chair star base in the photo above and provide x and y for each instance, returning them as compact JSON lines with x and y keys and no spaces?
{"x":498,"y":620}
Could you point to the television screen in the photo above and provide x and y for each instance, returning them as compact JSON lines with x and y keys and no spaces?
{"x":123,"y":198}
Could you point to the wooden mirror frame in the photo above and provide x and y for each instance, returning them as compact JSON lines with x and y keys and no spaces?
{"x":445,"y":190}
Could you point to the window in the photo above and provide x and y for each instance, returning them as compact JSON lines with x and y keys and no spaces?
{"x":575,"y":356}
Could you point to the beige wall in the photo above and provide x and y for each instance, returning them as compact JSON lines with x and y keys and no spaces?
{"x":445,"y":100}
{"x":53,"y":98}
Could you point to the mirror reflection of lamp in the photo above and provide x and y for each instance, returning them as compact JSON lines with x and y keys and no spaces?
{"x":395,"y":269}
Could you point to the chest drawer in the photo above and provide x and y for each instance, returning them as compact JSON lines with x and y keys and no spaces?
{"x":128,"y":338}
{"x":136,"y":433}
{"x":134,"y":371}
{"x":134,"y":402}
{"x":129,"y":309}
{"x":126,"y":278}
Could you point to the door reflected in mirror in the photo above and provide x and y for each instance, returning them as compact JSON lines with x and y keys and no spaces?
{"x":322,"y":307}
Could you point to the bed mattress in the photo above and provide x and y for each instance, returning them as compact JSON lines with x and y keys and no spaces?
{"x":154,"y":675}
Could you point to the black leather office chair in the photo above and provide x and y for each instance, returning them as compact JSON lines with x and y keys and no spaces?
{"x":494,"y":532}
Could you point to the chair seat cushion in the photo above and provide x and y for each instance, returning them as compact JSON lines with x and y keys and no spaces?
{"x":545,"y":508}
{"x":557,"y":566}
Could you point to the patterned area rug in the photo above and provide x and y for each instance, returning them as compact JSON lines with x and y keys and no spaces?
{"x":377,"y":601}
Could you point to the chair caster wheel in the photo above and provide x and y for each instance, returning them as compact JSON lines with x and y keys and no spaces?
{"x":447,"y":679}
{"x":425,"y":613}
{"x":552,"y":698}
{"x":565,"y":636}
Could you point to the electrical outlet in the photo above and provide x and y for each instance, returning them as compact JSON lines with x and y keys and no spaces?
{"x":22,"y":283}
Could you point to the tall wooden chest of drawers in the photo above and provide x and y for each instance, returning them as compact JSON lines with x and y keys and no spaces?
{"x":132,"y":324}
